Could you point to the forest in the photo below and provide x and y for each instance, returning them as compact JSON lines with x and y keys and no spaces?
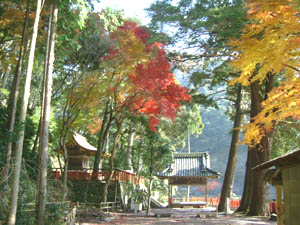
{"x":219,"y":76}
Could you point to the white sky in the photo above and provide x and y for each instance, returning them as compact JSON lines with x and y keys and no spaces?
{"x":132,"y":8}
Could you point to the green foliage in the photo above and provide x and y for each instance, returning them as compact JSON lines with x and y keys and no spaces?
{"x":111,"y":19}
{"x":201,"y":30}
{"x":187,"y":122}
{"x":89,"y":191}
{"x":286,"y":139}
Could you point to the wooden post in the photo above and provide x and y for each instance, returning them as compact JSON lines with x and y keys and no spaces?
{"x":279,"y":208}
{"x":206,"y":192}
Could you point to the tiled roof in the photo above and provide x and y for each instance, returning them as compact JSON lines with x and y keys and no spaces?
{"x":190,"y":165}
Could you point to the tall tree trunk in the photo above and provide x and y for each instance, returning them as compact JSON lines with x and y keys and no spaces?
{"x":12,"y":105}
{"x":245,"y":201}
{"x":44,"y":139}
{"x":150,"y":182}
{"x":7,"y":72}
{"x":257,"y":196}
{"x":233,"y":153}
{"x":106,"y":123}
{"x":262,"y":153}
{"x":23,"y":112}
{"x":111,"y":161}
{"x":129,"y":148}
{"x":260,"y":189}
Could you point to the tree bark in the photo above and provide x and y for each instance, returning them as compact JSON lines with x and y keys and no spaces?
{"x":233,"y":154}
{"x":14,"y":98}
{"x":111,"y":162}
{"x":103,"y":133}
{"x":261,"y":153}
{"x":23,"y":112}
{"x":7,"y":72}
{"x":245,"y":202}
{"x":129,"y":148}
{"x":44,"y":139}
{"x":150,"y":182}
{"x":256,"y":198}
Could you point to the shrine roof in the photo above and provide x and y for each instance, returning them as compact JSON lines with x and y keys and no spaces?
{"x":287,"y":159}
{"x":82,"y":143}
{"x":190,"y":165}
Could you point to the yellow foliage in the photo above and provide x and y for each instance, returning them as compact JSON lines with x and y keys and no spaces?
{"x":283,"y":102}
{"x":270,"y":44}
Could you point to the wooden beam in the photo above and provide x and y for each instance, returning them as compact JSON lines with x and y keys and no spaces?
{"x":279,"y":208}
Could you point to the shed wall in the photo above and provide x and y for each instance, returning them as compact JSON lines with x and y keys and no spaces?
{"x":291,"y":185}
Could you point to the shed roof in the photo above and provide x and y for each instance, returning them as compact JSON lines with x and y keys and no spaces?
{"x":288,"y":159}
{"x":189,"y":165}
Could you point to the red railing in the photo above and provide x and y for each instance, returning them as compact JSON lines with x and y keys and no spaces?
{"x":212,"y":201}
{"x":87,"y":174}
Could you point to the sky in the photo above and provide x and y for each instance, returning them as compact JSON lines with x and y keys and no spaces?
{"x":132,"y":8}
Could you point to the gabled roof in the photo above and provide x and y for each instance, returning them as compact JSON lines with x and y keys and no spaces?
{"x":288,"y":159}
{"x":189,"y":165}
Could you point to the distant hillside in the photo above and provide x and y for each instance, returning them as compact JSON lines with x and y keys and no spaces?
{"x":216,"y":139}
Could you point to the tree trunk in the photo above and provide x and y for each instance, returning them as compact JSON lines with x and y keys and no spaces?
{"x":129,"y":149}
{"x":260,"y":189}
{"x":23,"y":112}
{"x":106,"y":123}
{"x":258,"y":194}
{"x":261,"y":153}
{"x":150,"y":182}
{"x":111,"y":164}
{"x":44,"y":139}
{"x":7,"y":72}
{"x":233,"y":154}
{"x":245,"y":202}
{"x":149,"y":193}
{"x":12,"y":105}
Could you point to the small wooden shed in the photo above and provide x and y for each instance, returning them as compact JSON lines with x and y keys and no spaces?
{"x":188,"y":169}
{"x":285,"y":172}
{"x":79,"y":152}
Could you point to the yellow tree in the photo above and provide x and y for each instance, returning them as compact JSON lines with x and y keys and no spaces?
{"x":271,"y":45}
{"x":267,"y":49}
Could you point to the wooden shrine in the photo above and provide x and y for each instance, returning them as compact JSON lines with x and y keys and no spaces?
{"x":285,"y":172}
{"x":79,"y":153}
{"x":189,"y":169}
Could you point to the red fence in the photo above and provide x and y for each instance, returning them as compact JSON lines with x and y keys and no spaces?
{"x":214,"y":202}
{"x":87,"y":174}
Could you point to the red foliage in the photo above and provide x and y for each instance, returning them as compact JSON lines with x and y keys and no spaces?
{"x":155,"y":92}
{"x":161,"y":96}
{"x":139,"y":31}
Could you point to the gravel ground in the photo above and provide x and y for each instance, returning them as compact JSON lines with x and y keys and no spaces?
{"x":178,"y":216}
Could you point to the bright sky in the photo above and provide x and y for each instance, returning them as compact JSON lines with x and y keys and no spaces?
{"x":132,"y":8}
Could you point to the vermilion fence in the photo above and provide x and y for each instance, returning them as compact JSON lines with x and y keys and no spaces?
{"x":214,"y":202}
{"x":87,"y":174}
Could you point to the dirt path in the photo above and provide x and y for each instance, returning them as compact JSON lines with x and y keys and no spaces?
{"x":178,"y":216}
